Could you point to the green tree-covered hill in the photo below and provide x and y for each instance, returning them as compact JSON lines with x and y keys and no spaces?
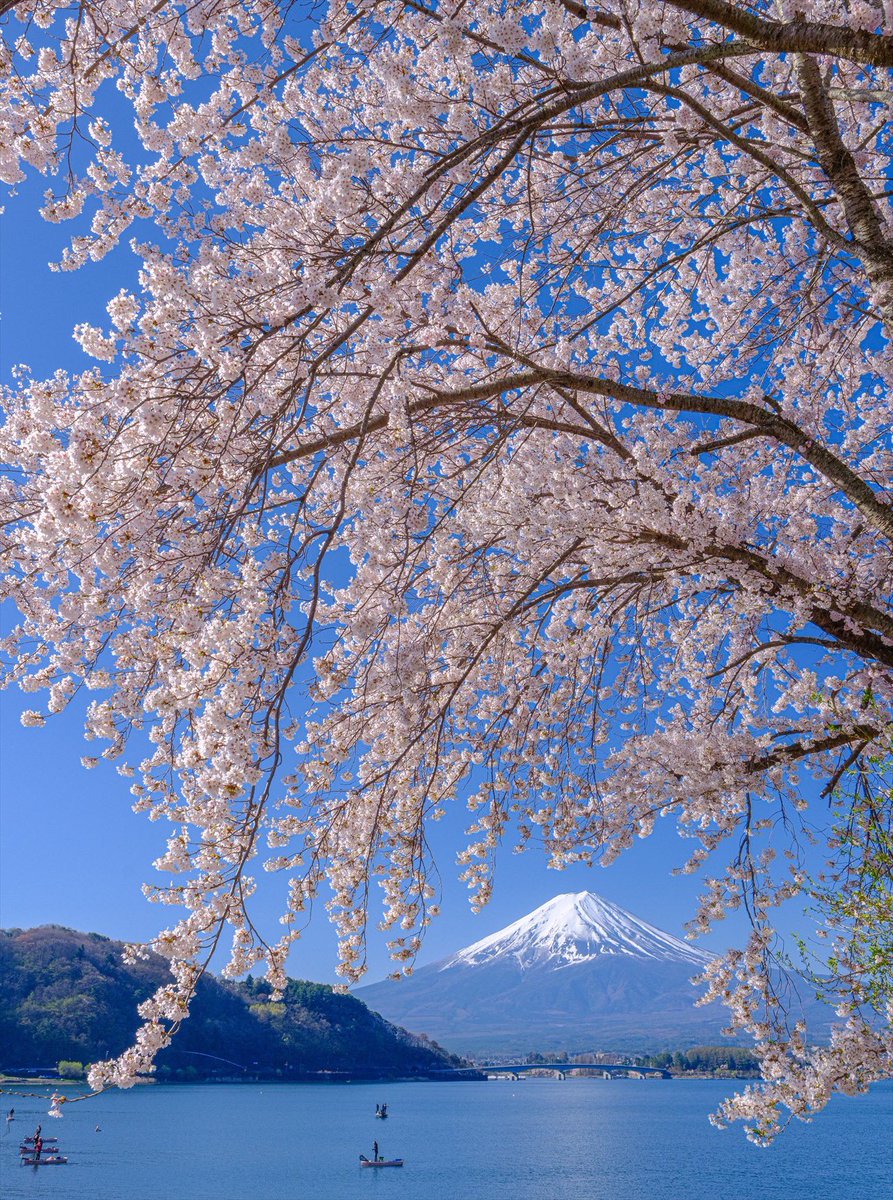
{"x":68,"y":996}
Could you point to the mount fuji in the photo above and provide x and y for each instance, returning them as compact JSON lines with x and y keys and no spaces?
{"x":579,"y":973}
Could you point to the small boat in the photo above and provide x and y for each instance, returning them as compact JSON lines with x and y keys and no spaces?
{"x":54,"y":1160}
{"x":46,"y":1141}
{"x":381,"y":1111}
{"x":380,"y":1162}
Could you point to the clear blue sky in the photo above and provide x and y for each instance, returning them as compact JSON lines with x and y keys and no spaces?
{"x":72,"y":851}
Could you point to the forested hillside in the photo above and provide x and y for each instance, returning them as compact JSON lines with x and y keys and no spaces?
{"x":68,"y":996}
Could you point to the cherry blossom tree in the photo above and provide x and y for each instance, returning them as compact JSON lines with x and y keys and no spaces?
{"x":502,"y":419}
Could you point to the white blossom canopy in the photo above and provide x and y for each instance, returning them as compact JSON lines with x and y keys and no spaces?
{"x":515,"y":378}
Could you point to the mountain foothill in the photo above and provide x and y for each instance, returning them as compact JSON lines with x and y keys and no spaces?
{"x":68,"y":996}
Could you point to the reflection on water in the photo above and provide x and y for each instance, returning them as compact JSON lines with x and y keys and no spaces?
{"x":529,"y":1140}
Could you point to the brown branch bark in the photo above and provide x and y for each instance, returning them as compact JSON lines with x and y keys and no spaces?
{"x":871,"y":244}
{"x":786,"y":37}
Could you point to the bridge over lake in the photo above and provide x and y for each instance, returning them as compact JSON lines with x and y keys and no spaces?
{"x":563,"y":1069}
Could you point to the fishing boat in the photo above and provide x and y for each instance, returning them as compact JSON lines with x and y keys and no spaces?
{"x":381,"y":1111}
{"x":380,"y":1162}
{"x":44,"y":1154}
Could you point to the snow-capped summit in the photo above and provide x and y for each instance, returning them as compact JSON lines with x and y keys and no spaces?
{"x":578,"y":972}
{"x":575,"y":928}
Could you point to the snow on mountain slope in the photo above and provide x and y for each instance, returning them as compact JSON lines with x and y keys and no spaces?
{"x":575,"y":928}
{"x":576,"y":973}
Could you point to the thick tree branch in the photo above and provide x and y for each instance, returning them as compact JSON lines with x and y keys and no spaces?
{"x":871,"y":243}
{"x":785,"y":37}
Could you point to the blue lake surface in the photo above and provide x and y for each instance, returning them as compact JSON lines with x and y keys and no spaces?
{"x":538,"y":1139}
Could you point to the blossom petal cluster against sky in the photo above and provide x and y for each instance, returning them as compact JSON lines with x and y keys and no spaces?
{"x":500,"y":421}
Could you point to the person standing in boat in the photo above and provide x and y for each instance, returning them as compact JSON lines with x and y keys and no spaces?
{"x":375,"y":1151}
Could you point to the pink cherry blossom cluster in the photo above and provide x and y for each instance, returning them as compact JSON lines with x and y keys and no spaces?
{"x":502,"y":420}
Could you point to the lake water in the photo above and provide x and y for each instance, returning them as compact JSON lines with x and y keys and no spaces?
{"x":539,"y":1139}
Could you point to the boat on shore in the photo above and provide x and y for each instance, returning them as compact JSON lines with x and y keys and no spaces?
{"x":380,"y":1162}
